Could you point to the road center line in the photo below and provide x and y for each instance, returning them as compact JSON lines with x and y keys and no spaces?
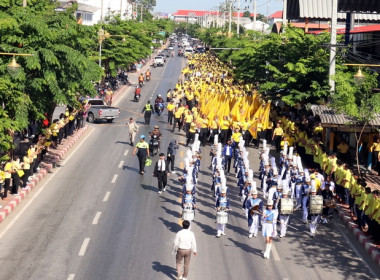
{"x":114,"y":179}
{"x":126,"y":152}
{"x":71,"y":277}
{"x":121,"y":164}
{"x":181,"y":165}
{"x":275,"y":253}
{"x":84,"y":247}
{"x":96,"y":218}
{"x":106,"y":196}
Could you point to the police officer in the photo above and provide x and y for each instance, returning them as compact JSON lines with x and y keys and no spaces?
{"x":148,"y":108}
{"x":142,"y":152}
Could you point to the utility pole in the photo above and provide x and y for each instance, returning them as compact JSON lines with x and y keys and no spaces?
{"x":121,"y":6}
{"x":24,"y":3}
{"x":229,"y":24}
{"x":238,"y":18}
{"x":254,"y":13}
{"x":141,"y":14}
{"x":101,"y":10}
{"x":284,"y":15}
{"x":334,"y":16}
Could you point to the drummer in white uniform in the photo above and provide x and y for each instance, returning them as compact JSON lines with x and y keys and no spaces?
{"x":268,"y":228}
{"x":222,"y":205}
{"x":313,"y":216}
{"x":254,"y":208}
{"x":284,"y":216}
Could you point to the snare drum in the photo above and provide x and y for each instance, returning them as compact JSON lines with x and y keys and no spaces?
{"x":188,"y":214}
{"x":222,"y":217}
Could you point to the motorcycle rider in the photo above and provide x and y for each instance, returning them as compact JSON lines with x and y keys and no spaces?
{"x":159,"y":102}
{"x":137,"y":93}
{"x":155,"y":133}
{"x":147,"y":75}
{"x":148,"y":109}
{"x":141,"y":80}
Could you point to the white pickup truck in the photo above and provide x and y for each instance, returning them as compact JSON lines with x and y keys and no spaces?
{"x":100,"y":111}
{"x":158,"y":61}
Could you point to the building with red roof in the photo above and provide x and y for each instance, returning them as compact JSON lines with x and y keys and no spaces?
{"x":192,"y":16}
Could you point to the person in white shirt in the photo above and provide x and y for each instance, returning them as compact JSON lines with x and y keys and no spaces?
{"x":161,"y":171}
{"x":133,"y":128}
{"x":184,"y":243}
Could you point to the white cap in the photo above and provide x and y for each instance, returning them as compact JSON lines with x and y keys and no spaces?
{"x":313,"y":189}
{"x":253,"y":191}
{"x":189,"y":187}
{"x":223,"y":190}
{"x":270,"y":202}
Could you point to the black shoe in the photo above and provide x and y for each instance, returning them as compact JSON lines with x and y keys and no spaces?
{"x":131,"y":143}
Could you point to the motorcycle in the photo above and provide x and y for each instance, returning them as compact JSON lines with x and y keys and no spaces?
{"x":159,"y":108}
{"x":148,"y":78}
{"x":153,"y":144}
{"x":141,"y":83}
{"x":137,"y":94}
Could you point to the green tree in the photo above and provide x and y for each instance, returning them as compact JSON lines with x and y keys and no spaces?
{"x":247,"y":14}
{"x":59,"y":69}
{"x":359,"y":102}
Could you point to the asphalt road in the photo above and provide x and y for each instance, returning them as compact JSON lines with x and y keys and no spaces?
{"x":96,"y":218}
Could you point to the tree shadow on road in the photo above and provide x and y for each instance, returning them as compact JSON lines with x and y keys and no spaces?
{"x":165,"y":269}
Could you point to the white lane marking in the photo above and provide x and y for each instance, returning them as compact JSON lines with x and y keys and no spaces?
{"x":121,"y":164}
{"x":96,"y":218}
{"x":82,"y":250}
{"x":126,"y":152}
{"x":114,"y":179}
{"x":106,"y":196}
{"x":71,"y":277}
{"x":275,"y":254}
{"x":41,"y":189}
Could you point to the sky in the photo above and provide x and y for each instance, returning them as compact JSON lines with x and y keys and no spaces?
{"x":171,"y":6}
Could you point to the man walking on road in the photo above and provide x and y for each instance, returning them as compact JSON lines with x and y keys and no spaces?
{"x":184,"y":243}
{"x":148,"y":109}
{"x":132,"y":127}
{"x":161,"y":170}
{"x":142,"y":152}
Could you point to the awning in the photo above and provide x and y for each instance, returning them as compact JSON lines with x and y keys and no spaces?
{"x":329,"y":118}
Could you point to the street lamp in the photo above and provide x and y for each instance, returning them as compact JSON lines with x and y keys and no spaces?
{"x":13,"y":67}
{"x":102,"y":36}
{"x":359,"y":78}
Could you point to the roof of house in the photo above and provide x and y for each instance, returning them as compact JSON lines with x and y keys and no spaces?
{"x":276,"y":28}
{"x":197,"y":13}
{"x":355,"y":30}
{"x":277,"y":14}
{"x":321,"y":9}
{"x":329,"y":117}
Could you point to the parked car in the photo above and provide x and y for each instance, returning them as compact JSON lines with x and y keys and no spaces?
{"x":100,"y":111}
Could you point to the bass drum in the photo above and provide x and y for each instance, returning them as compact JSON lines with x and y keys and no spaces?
{"x":316,"y":204}
{"x":286,"y":206}
{"x":188,"y":214}
{"x":222,"y":217}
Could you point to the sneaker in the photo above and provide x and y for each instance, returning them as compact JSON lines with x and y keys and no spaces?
{"x":250,"y":235}
{"x":159,"y":192}
{"x":255,"y":235}
{"x":223,"y":234}
{"x":173,"y":172}
{"x":217,"y":236}
{"x":142,"y":172}
{"x":164,"y":189}
{"x":281,"y":236}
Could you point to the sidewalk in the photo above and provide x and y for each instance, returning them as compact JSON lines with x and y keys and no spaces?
{"x":46,"y":166}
